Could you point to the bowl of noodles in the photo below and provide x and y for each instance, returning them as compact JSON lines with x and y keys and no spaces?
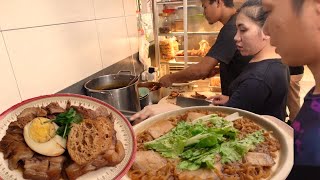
{"x":211,"y":143}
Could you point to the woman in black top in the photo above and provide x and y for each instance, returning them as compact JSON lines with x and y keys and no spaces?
{"x":262,"y":87}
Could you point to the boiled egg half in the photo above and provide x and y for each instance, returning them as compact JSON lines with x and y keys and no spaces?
{"x":40,"y":135}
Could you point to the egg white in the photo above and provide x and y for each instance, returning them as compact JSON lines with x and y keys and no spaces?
{"x":54,"y":147}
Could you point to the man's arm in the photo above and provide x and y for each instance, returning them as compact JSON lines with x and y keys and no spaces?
{"x":201,"y":70}
{"x":223,"y":51}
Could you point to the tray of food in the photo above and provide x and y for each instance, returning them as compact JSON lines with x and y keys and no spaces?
{"x":65,"y":136}
{"x":172,"y":97}
{"x":212,"y":143}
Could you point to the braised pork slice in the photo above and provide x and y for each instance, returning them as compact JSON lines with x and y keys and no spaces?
{"x":54,"y":108}
{"x":55,"y":166}
{"x":29,"y":114}
{"x":200,"y":174}
{"x":160,"y":128}
{"x":86,"y":113}
{"x":75,"y":170}
{"x":13,"y":146}
{"x":194,"y":115}
{"x":103,"y":112}
{"x":261,"y":159}
{"x":148,"y":161}
{"x":43,"y":168}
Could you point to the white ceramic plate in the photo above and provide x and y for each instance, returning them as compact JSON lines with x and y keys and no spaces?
{"x":121,"y":125}
{"x":284,"y":162}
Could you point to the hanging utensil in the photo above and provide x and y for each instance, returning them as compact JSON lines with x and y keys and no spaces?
{"x":133,"y":80}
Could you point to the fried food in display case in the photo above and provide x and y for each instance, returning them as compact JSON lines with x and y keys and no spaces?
{"x":215,"y":84}
{"x":168,"y":48}
{"x":204,"y":47}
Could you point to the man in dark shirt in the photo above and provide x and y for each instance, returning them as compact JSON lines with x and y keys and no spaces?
{"x":224,"y":50}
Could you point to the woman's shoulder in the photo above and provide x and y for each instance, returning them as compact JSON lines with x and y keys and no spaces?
{"x":262,"y":71}
{"x":267,"y":72}
{"x":271,"y":67}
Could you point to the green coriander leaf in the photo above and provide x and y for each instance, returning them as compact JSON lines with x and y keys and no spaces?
{"x":77,"y":119}
{"x":60,"y":130}
{"x":64,"y":121}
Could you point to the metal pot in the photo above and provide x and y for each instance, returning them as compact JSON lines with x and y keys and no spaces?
{"x":144,"y":95}
{"x":114,"y":90}
{"x":154,"y":92}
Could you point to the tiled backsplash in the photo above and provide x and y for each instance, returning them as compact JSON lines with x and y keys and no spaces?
{"x":135,"y":67}
{"x":46,"y":46}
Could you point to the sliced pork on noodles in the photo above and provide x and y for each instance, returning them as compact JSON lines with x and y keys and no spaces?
{"x":204,"y":145}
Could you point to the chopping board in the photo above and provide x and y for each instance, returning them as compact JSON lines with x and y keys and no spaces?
{"x":185,"y":94}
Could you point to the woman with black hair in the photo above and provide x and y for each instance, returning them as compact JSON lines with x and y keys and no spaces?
{"x":262,"y":87}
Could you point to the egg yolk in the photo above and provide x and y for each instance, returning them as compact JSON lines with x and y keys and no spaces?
{"x":41,"y":130}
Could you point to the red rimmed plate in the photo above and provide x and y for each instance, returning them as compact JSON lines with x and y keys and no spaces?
{"x":122,"y":126}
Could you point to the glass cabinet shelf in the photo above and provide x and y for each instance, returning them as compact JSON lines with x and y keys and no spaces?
{"x":189,"y":33}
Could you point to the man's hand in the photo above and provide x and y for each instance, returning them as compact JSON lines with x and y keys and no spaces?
{"x":219,"y":99}
{"x":166,"y":81}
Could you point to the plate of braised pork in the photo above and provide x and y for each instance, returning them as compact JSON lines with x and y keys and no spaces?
{"x":65,"y":136}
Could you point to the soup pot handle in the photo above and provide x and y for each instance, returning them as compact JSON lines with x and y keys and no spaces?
{"x":125,"y":72}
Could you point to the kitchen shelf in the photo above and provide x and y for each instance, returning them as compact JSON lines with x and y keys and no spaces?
{"x":189,"y":33}
{"x":194,"y":30}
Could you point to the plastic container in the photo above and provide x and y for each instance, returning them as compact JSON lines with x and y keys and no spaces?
{"x":195,"y":18}
{"x":192,"y":11}
{"x":166,"y":25}
{"x":178,"y":25}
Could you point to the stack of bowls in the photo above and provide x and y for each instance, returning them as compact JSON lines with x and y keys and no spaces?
{"x":144,"y":96}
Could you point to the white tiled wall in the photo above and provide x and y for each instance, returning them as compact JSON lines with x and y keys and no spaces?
{"x":132,"y":33}
{"x":46,"y":46}
{"x":108,"y":8}
{"x":18,"y":14}
{"x":114,"y":42}
{"x":9,"y":91}
{"x":129,"y":7}
{"x":53,"y":57}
